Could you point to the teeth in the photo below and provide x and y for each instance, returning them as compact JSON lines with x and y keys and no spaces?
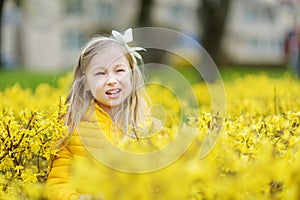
{"x":113,"y":91}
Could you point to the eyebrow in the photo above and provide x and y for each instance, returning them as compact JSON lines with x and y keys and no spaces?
{"x":104,"y":68}
{"x":120,"y":65}
{"x":98,"y":68}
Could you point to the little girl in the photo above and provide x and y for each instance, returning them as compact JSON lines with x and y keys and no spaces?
{"x":107,"y":98}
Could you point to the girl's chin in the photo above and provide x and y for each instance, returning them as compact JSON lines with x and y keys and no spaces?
{"x":114,"y":105}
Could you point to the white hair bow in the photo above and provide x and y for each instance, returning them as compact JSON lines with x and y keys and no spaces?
{"x":124,"y":39}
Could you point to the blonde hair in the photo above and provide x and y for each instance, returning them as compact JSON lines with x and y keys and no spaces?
{"x":134,"y":110}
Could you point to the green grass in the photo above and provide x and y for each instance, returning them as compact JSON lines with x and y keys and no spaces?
{"x":28,"y":79}
{"x":229,"y":73}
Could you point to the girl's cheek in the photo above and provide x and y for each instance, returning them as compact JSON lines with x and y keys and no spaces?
{"x":121,"y":76}
{"x":126,"y":77}
{"x":98,"y":81}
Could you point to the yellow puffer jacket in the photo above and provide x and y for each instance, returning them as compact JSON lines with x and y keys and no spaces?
{"x":78,"y":169}
{"x":86,"y":136}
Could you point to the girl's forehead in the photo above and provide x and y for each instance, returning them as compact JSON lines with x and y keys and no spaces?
{"x":108,"y":57}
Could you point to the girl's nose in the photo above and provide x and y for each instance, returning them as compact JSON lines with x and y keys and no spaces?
{"x":111,"y":80}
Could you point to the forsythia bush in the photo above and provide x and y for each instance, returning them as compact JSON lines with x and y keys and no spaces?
{"x":29,"y":125}
{"x":256,"y":155}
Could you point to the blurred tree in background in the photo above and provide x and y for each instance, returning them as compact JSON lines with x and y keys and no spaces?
{"x":212,"y":14}
{"x":144,"y":18}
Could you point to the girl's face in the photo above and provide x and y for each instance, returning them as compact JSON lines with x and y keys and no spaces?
{"x":109,"y":78}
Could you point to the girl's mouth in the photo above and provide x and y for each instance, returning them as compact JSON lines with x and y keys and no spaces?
{"x":113,"y":93}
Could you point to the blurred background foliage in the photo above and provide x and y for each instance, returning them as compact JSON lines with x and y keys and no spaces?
{"x":38,"y":35}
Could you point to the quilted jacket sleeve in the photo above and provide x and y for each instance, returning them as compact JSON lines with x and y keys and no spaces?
{"x":57,"y":183}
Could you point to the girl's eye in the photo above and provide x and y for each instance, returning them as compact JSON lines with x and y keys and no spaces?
{"x":99,"y":73}
{"x":121,"y":70}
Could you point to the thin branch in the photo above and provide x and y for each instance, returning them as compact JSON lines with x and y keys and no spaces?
{"x":30,"y":120}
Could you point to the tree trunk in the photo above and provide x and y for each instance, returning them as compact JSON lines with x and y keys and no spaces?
{"x":144,"y":18}
{"x":212,"y":14}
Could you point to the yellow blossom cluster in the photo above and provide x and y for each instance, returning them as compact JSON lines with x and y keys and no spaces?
{"x":29,"y":126}
{"x":256,"y":155}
